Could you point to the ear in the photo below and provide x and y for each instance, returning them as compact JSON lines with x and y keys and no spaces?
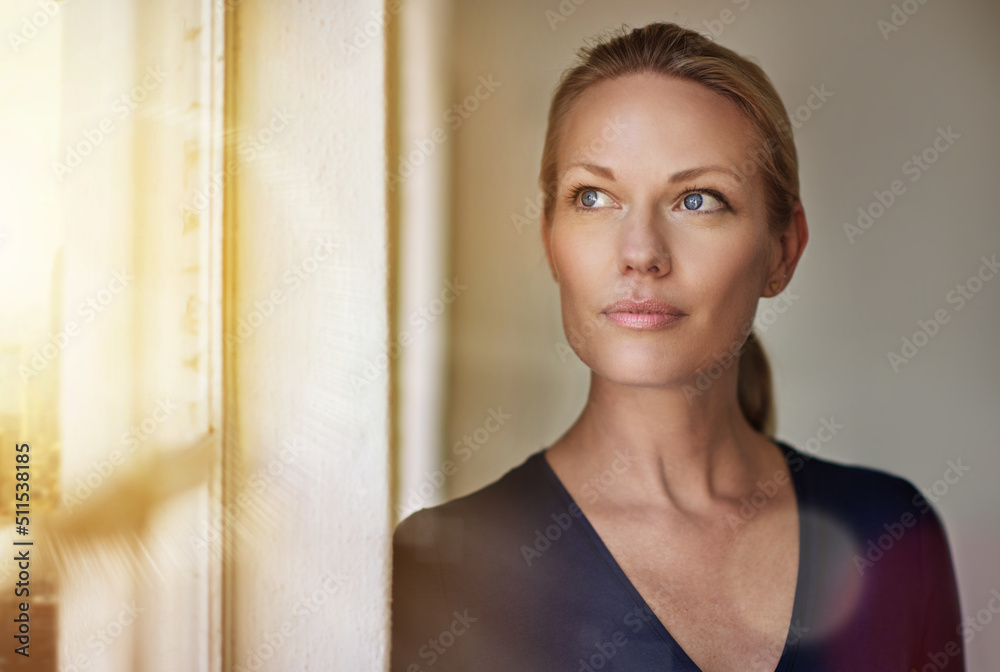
{"x":547,"y":240}
{"x":791,"y":246}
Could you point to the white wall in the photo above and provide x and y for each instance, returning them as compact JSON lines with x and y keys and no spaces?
{"x":319,"y":179}
{"x":855,"y":301}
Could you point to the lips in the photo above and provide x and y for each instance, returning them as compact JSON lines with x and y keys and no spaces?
{"x":647,"y":314}
{"x":648,"y":306}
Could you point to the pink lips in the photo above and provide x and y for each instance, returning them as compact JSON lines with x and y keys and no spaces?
{"x":648,"y":314}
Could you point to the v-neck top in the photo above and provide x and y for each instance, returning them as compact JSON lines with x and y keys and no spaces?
{"x":513,"y":577}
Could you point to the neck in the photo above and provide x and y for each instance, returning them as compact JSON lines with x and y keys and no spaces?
{"x":689,"y":447}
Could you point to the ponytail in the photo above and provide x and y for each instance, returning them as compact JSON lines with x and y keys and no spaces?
{"x":754,"y":387}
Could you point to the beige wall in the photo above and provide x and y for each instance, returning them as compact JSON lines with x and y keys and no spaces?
{"x":855,"y":301}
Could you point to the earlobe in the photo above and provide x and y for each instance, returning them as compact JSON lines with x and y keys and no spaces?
{"x":776,"y":286}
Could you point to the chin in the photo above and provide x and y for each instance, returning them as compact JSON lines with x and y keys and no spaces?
{"x":637,"y":365}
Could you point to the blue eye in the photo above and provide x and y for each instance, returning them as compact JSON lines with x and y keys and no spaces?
{"x":694,"y":202}
{"x":586,"y":198}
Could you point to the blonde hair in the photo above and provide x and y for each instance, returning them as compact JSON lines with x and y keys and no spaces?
{"x":670,"y":50}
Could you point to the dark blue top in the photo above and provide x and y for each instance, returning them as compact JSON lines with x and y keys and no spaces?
{"x":514,"y":578}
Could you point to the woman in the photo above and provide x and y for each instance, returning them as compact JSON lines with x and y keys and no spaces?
{"x":667,"y":529}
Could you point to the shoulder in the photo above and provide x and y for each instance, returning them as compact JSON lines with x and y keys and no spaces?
{"x":871,"y":508}
{"x":454,"y":527}
{"x":876,"y":509}
{"x":880,"y":524}
{"x":457,"y":563}
{"x":851,"y":489}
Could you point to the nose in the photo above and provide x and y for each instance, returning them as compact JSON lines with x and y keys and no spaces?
{"x":643,"y":247}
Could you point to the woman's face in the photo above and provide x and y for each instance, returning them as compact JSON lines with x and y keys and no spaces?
{"x":654,"y":201}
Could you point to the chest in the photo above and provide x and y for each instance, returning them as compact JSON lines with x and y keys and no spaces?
{"x":724,"y":593}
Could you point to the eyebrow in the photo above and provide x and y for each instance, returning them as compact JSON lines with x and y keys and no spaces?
{"x":690,"y":173}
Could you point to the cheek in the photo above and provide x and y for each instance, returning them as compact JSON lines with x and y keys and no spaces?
{"x":727,"y":280}
{"x":585,"y":269}
{"x":728,"y":269}
{"x":582,"y":261}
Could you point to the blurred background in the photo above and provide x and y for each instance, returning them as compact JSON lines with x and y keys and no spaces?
{"x":272,"y":279}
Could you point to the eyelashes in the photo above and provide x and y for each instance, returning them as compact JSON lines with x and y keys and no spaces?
{"x":575,"y":193}
{"x":577,"y":190}
{"x":697,"y":198}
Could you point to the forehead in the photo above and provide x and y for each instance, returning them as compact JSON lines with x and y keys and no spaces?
{"x":653,"y":125}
